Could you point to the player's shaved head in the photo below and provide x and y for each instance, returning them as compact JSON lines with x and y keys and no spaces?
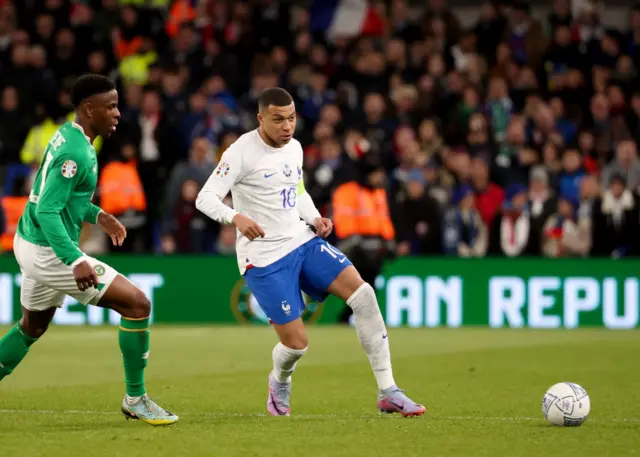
{"x":275,"y":96}
{"x":87,"y":86}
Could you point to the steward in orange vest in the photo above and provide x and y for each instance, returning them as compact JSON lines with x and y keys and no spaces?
{"x":12,"y":207}
{"x":362,"y":221}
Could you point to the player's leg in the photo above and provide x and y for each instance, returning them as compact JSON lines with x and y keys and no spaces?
{"x":286,"y":354}
{"x":132,"y":304}
{"x":328,"y":269}
{"x":118,"y":293}
{"x":277,"y":291}
{"x":39,"y":305}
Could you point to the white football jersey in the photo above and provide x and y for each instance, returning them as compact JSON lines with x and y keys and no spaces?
{"x":265,"y":184}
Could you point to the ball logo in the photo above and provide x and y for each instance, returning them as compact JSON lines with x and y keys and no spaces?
{"x":69,"y":169}
{"x":287,"y":171}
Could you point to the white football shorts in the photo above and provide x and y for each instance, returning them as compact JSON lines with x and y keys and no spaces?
{"x":46,"y":280}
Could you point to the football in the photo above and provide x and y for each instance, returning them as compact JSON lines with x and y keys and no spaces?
{"x":566,"y":404}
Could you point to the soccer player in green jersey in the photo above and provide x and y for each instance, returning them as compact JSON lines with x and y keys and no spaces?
{"x":52,"y":265}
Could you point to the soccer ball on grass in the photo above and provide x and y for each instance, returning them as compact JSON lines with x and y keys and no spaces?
{"x":566,"y":404}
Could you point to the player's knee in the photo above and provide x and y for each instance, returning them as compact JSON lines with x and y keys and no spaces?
{"x":364,"y":295}
{"x":140,"y":305}
{"x":35,"y":328}
{"x":296,"y":341}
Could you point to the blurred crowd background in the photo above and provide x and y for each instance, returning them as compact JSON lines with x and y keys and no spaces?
{"x":507,"y":133}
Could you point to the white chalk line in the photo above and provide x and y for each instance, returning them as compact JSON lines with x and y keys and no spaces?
{"x":314,"y":416}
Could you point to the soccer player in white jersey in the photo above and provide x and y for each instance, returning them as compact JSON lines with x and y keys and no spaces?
{"x":280,"y":256}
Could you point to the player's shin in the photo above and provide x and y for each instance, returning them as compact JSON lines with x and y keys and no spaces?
{"x":284,"y":362}
{"x":134,"y":345}
{"x":14,"y":346}
{"x":372,"y":333}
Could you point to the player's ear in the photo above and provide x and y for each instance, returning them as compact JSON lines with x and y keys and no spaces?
{"x":260,"y":118}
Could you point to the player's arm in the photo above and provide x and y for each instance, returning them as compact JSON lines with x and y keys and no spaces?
{"x":91,"y":216}
{"x":226,"y":174}
{"x":209,"y":201}
{"x":310,"y":214}
{"x":306,"y":208}
{"x":53,"y":198}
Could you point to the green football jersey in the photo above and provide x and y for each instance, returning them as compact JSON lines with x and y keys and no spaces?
{"x":60,"y":200}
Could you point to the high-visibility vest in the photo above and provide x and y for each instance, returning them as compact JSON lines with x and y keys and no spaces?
{"x":358,"y":210}
{"x":180,"y":13}
{"x":121,"y":189}
{"x":13,"y":208}
{"x":38,"y":139}
{"x":134,"y":69}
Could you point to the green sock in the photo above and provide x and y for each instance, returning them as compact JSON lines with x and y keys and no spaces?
{"x":13,"y":347}
{"x":133,"y":337}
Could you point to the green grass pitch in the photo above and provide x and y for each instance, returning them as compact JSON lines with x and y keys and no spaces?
{"x":482,"y":388}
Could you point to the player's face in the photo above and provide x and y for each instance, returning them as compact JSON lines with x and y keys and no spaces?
{"x":105,"y":114}
{"x":279,"y":123}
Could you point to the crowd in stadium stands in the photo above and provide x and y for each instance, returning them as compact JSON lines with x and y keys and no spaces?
{"x":516,"y":137}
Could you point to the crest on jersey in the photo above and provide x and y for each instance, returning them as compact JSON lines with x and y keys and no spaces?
{"x":223,"y":169}
{"x":69,"y":169}
{"x":299,"y":172}
{"x":287,"y":171}
{"x":99,"y":269}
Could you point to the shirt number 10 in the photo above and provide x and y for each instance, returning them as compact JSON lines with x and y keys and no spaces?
{"x":289,"y":197}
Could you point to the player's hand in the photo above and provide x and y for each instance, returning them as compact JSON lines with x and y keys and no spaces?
{"x":323,"y":226}
{"x":113,"y":228}
{"x":85,"y":276}
{"x":247,"y":226}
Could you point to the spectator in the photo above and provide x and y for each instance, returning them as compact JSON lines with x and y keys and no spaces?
{"x":492,"y":107}
{"x":12,"y":207}
{"x":489,"y":30}
{"x":362,"y":220}
{"x":542,"y":203}
{"x":197,"y":169}
{"x":615,"y":221}
{"x":625,"y":164}
{"x":571,"y":174}
{"x":190,"y":230}
{"x":417,"y":218}
{"x":14,"y":126}
{"x":489,"y":196}
{"x":464,"y":233}
{"x":159,"y":149}
{"x":525,"y":35}
{"x":565,"y":234}
{"x":121,"y":194}
{"x":512,"y":231}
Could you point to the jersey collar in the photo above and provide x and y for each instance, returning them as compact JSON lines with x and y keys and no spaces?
{"x":79,"y":127}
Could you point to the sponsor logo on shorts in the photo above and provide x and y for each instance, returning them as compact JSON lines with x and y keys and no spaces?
{"x":99,"y":270}
{"x":246,"y":309}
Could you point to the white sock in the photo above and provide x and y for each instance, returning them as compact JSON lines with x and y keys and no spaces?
{"x":372,"y":333}
{"x":284,"y":361}
{"x":132,"y":400}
